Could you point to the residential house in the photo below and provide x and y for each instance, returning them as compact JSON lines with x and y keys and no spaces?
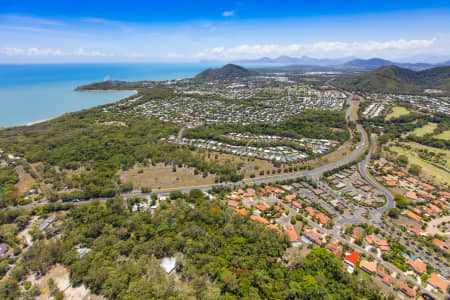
{"x":323,"y":219}
{"x":413,"y":216}
{"x":290,"y":231}
{"x":440,"y":244}
{"x":381,"y":243}
{"x":233,"y":203}
{"x":351,"y":258}
{"x":314,"y":237}
{"x":418,"y":266}
{"x":335,"y":248}
{"x":259,"y":219}
{"x":368,"y":266}
{"x":310,"y":211}
{"x":384,"y":274}
{"x":439,"y":282}
{"x":405,"y":289}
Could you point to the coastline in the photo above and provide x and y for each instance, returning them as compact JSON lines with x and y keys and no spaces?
{"x":135,"y":91}
{"x":52,"y":118}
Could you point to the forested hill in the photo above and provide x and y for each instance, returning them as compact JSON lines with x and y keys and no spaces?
{"x":110,"y":85}
{"x":227,"y":72}
{"x":393,"y":79}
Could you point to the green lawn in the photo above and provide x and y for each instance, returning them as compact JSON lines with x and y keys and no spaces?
{"x":397,"y":111}
{"x":429,"y":128}
{"x":444,"y":136}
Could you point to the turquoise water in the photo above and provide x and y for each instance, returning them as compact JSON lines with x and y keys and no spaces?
{"x":30,"y":93}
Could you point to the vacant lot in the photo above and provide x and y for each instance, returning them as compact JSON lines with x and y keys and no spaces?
{"x":60,"y":275}
{"x":163,"y":177}
{"x":25,"y":180}
{"x":429,"y":128}
{"x":444,"y":136}
{"x":397,"y":111}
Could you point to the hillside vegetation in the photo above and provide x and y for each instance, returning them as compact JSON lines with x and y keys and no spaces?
{"x":227,"y":72}
{"x":393,"y":79}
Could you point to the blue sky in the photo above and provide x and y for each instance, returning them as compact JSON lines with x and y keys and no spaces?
{"x":107,"y":31}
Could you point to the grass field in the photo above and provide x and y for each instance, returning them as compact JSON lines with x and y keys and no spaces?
{"x":428,"y":170}
{"x":444,"y":136}
{"x":429,"y":128}
{"x":397,"y":111}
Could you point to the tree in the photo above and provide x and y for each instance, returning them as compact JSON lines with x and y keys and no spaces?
{"x":415,"y":169}
{"x":394,"y":213}
{"x":402,"y":160}
{"x":401,"y":201}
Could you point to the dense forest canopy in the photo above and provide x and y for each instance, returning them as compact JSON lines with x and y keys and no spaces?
{"x":393,"y":79}
{"x":221,"y":255}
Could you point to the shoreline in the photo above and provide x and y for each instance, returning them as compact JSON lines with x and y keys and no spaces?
{"x":52,"y":118}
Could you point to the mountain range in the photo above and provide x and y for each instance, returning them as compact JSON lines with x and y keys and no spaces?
{"x":346,"y":62}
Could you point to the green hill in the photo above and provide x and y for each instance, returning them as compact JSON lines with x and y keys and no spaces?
{"x":227,"y":72}
{"x":393,"y":79}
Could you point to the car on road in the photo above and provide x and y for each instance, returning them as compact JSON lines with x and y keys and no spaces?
{"x":75,"y":200}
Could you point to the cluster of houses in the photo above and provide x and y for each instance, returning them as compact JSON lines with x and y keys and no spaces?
{"x":373,"y":110}
{"x":283,"y":154}
{"x":197,"y":102}
{"x":241,"y":201}
{"x":427,"y":201}
{"x":350,"y":183}
{"x":316,"y":145}
{"x":426,"y":103}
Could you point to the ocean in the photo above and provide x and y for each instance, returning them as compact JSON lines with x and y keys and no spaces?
{"x":35,"y":92}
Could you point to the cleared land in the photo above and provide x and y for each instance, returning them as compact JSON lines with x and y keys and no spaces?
{"x":429,"y":128}
{"x":444,"y":136}
{"x":397,"y":111}
{"x":163,"y":177}
{"x":428,"y":170}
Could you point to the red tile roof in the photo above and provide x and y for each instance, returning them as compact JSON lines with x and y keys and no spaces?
{"x":259,"y":219}
{"x":411,"y":195}
{"x":296,"y":204}
{"x":413,"y":216}
{"x":310,"y":211}
{"x":407,"y":290}
{"x":440,"y":244}
{"x":351,"y":258}
{"x":427,"y":186}
{"x":278,"y":209}
{"x":261,"y":207}
{"x":335,"y":248}
{"x":233,"y":203}
{"x":242,"y":211}
{"x":322,"y":218}
{"x":438,"y":282}
{"x":274,"y":227}
{"x":289,"y":198}
{"x":418,"y":266}
{"x":413,"y":180}
{"x":369,"y":267}
{"x":290,"y":231}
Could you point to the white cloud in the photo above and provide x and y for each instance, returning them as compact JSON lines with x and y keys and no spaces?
{"x":228,"y":13}
{"x":23,"y":19}
{"x":31,"y":52}
{"x":321,"y":48}
{"x":82,"y":52}
{"x":50,"y":52}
